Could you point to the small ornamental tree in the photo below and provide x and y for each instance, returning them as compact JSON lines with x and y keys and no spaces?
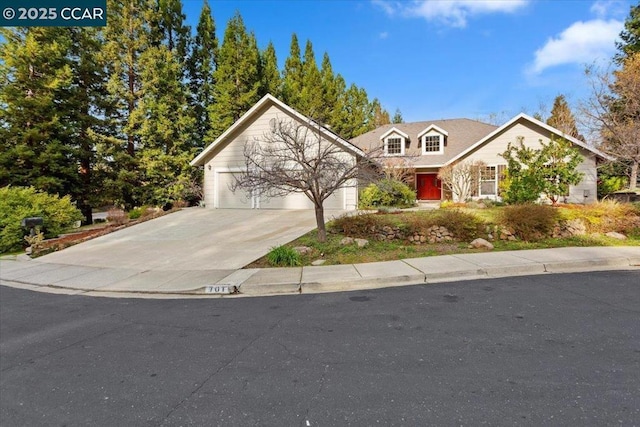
{"x":296,"y":157}
{"x":461,"y":178}
{"x":531,"y":172}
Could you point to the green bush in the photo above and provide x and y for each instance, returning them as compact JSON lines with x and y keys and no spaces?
{"x":530,"y":222}
{"x":387,"y":193}
{"x":17,"y":203}
{"x":283,"y":256}
{"x":463,"y":225}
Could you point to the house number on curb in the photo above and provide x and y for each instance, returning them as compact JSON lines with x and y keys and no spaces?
{"x":219,"y":289}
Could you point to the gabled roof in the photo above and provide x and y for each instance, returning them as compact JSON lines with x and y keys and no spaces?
{"x":436,"y":128}
{"x":254,"y":111}
{"x":461,"y":133}
{"x":523,"y":116}
{"x":394,"y":130}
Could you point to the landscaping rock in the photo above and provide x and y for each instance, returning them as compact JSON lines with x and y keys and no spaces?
{"x":362,"y":242}
{"x":346,"y":241}
{"x":318,"y":262}
{"x":573,"y":227}
{"x":303,"y":250}
{"x":616,"y":235}
{"x":481,"y":244}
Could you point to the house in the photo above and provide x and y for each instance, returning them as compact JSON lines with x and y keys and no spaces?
{"x":431,"y":145}
{"x":224,"y":158}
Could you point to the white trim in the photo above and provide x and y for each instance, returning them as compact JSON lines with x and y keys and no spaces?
{"x":199,"y":160}
{"x":536,"y":122}
{"x":495,"y":185}
{"x":385,"y":143}
{"x":434,"y":127}
{"x":392,"y":130}
{"x":216,"y":187}
{"x":440,"y":136}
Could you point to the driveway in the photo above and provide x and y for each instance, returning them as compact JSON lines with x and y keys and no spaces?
{"x":192,"y":239}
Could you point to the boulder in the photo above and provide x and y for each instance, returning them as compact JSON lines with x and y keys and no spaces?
{"x":303,"y":250}
{"x":318,"y":262}
{"x":362,"y":242}
{"x":616,"y":235}
{"x":346,"y":241}
{"x":481,"y":244}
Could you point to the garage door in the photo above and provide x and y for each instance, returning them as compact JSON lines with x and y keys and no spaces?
{"x":227,"y":199}
{"x":242,"y":200}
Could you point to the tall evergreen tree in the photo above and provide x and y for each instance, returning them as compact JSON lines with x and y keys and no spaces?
{"x":87,"y":101}
{"x":629,"y":43}
{"x":171,"y":28}
{"x":202,"y":66}
{"x":35,"y":78}
{"x":237,"y":77}
{"x":164,"y":126}
{"x":397,"y":117}
{"x":311,"y":101}
{"x":356,"y":115}
{"x":270,"y":74}
{"x":562,"y":118}
{"x":292,"y":76}
{"x":127,"y":36}
{"x":331,"y":90}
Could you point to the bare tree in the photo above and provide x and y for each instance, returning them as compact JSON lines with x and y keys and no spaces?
{"x":613,"y":110}
{"x":297,"y":158}
{"x":399,"y":168}
{"x":461,"y":178}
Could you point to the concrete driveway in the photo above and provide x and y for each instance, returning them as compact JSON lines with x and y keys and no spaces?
{"x":192,"y":239}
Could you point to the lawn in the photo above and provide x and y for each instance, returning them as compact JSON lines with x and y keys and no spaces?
{"x":468,"y":223}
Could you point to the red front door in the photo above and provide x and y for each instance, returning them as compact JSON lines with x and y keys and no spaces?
{"x":428,"y":186}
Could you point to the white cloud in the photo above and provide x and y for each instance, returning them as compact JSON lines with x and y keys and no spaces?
{"x":608,"y":8}
{"x":581,"y":43}
{"x":454,"y":13}
{"x":383,"y":35}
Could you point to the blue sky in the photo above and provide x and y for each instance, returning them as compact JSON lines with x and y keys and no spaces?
{"x":444,"y":59}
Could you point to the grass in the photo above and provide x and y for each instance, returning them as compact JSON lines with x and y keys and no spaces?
{"x":598,"y":218}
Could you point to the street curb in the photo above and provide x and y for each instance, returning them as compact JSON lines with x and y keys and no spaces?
{"x":241,"y":280}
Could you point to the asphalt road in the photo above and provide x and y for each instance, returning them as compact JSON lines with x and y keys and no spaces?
{"x":540,"y":350}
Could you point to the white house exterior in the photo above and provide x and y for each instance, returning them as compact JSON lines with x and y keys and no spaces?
{"x":225,"y":157}
{"x":432,"y":145}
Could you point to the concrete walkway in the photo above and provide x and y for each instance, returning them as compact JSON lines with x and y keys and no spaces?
{"x":123,"y":281}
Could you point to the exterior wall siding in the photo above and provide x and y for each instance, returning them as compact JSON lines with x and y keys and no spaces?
{"x":230,"y":158}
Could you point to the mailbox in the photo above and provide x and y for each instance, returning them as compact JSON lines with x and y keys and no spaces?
{"x":32,"y":222}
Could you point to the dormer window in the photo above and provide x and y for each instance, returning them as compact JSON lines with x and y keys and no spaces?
{"x":394,"y":141}
{"x":433,"y":139}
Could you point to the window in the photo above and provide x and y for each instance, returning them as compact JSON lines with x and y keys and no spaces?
{"x":488,"y":181}
{"x":431,"y":144}
{"x":394,"y":146}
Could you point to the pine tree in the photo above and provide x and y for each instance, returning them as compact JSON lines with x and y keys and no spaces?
{"x":270,"y":74}
{"x":397,"y":117}
{"x":356,"y":114}
{"x":35,"y":79}
{"x":202,"y":66}
{"x":171,"y":28}
{"x":237,"y":77}
{"x":562,"y":118}
{"x":87,"y":101}
{"x":311,"y":102}
{"x":292,"y":77}
{"x":331,"y":90}
{"x":164,"y":127}
{"x":127,"y":36}
{"x":630,"y":36}
{"x":380,"y":115}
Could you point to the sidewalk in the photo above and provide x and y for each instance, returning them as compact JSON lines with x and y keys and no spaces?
{"x":121,"y":282}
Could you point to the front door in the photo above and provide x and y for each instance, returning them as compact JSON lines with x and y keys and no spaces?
{"x":428,"y":186}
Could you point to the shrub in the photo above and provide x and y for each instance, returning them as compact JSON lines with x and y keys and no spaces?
{"x":604,"y":216}
{"x":136,"y":213}
{"x":17,"y":203}
{"x":283,"y":256}
{"x":389,"y":193}
{"x":363,"y":225}
{"x":530,"y":222}
{"x":463,"y":225}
